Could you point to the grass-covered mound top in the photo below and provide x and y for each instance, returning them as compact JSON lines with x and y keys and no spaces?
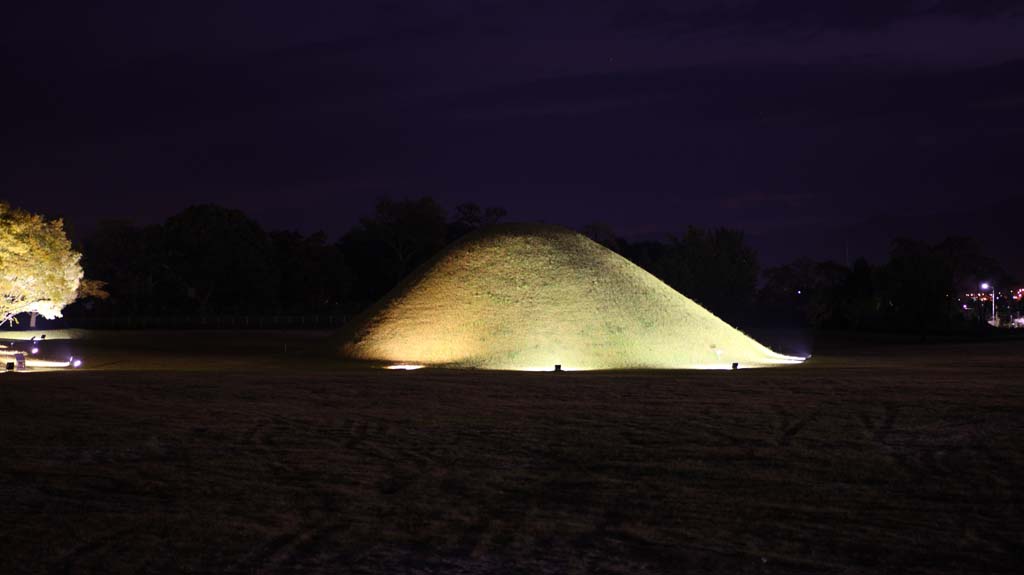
{"x":529,"y":296}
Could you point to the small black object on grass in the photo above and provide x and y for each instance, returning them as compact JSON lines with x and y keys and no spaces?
{"x":558,"y":367}
{"x":735,"y":366}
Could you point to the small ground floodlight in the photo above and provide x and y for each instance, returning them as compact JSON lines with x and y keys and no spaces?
{"x":735,"y":365}
{"x":10,"y":366}
{"x":558,"y":367}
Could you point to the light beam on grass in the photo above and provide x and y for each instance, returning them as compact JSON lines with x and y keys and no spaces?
{"x":9,"y":355}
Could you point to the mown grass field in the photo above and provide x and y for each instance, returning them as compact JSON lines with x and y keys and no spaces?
{"x":250,"y":453}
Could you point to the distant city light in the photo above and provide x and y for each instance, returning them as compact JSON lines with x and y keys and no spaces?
{"x":995,"y":319}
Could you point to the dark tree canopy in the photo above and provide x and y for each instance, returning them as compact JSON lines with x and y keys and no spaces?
{"x":223,"y":259}
{"x":383,"y":248}
{"x":919,"y":289}
{"x":214,"y":260}
{"x":134,"y":263}
{"x":470,"y":216}
{"x":714,"y":267}
{"x":313,"y":275}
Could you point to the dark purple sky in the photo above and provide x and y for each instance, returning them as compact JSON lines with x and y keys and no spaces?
{"x":810,"y":124}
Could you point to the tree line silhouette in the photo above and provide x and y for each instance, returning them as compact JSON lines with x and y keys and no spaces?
{"x":212,"y":260}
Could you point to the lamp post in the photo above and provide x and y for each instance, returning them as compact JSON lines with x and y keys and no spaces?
{"x":986,"y":286}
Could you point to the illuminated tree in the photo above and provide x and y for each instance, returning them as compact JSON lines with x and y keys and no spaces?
{"x":39,"y":272}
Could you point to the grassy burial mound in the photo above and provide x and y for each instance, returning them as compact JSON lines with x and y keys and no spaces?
{"x":530,"y":296}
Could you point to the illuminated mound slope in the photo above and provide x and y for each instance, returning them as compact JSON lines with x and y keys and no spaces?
{"x":527,"y":296}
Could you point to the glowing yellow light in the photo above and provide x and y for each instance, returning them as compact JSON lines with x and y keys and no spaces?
{"x":39,"y":363}
{"x":406,"y":366}
{"x":43,"y":363}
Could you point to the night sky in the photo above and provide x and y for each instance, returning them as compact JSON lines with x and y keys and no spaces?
{"x":812,"y":125}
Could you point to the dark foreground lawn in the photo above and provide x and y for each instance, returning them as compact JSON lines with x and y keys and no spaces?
{"x":894,"y":459}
